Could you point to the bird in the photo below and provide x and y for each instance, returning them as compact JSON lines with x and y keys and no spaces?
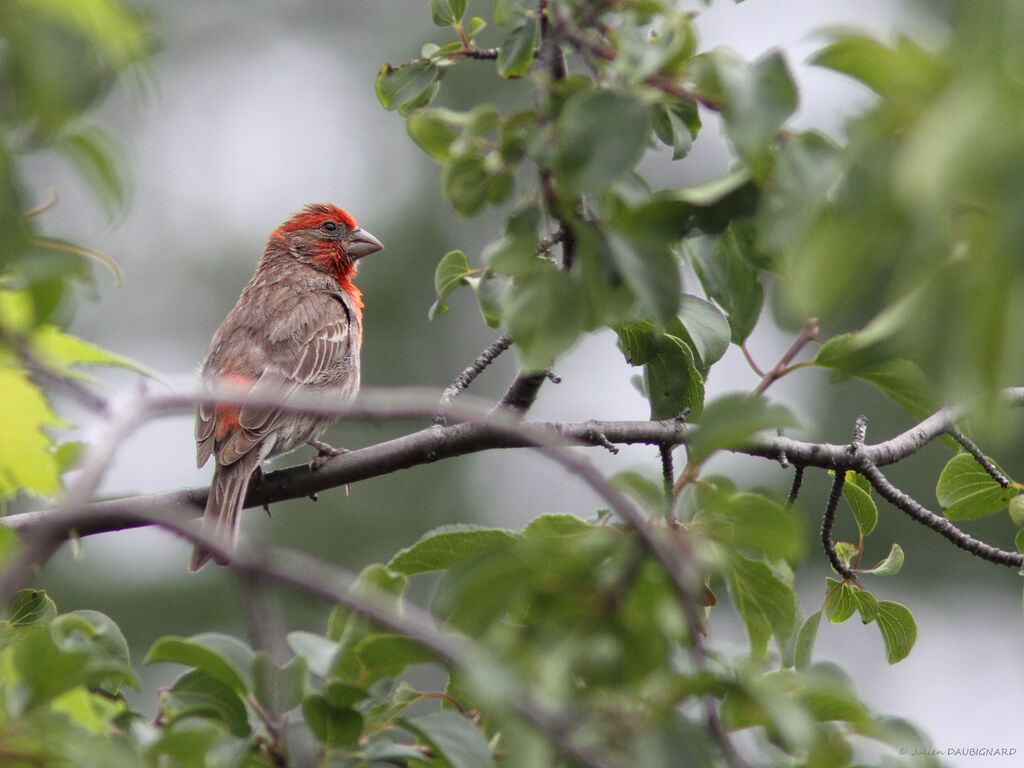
{"x":296,"y":329}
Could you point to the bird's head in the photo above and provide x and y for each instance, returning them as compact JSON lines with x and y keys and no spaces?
{"x":327,"y":238}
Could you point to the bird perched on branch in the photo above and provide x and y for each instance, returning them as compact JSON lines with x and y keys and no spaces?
{"x":297,"y":329}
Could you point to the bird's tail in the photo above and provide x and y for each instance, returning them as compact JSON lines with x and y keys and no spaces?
{"x":220,"y":521}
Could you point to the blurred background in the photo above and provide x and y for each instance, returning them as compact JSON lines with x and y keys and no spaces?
{"x":247,"y":112}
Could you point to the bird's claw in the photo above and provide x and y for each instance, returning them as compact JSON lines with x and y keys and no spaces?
{"x":324,"y":454}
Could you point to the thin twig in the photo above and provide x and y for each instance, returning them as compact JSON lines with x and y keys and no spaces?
{"x":798,"y":481}
{"x":971,"y":447}
{"x":808,"y":334}
{"x":826,"y":528}
{"x":937,"y":523}
{"x":464,"y":379}
{"x":668,"y":479}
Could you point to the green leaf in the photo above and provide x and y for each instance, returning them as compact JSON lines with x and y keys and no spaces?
{"x":388,"y":656}
{"x":705,"y":329}
{"x":517,"y":251}
{"x":857,"y":492}
{"x":757,"y":100}
{"x":223,"y":657}
{"x":676,"y":125}
{"x":805,"y":171}
{"x":840,"y":604}
{"x":891,"y":565}
{"x":966,"y":491}
{"x":476,"y":26}
{"x":95,"y":155}
{"x":803,"y":650}
{"x":905,"y":71}
{"x":671,"y":380}
{"x":1018,"y":540}
{"x":901,"y":380}
{"x":62,"y":350}
{"x":543,"y":312}
{"x":515,"y":57}
{"x":728,"y":275}
{"x":898,"y":628}
{"x":754,"y":522}
{"x":465,"y":183}
{"x":332,"y":726}
{"x":343,"y":695}
{"x":408,"y":86}
{"x":197,"y":694}
{"x":732,"y":421}
{"x":1016,"y":510}
{"x":599,"y":136}
{"x":434,"y":131}
{"x":765,"y":603}
{"x":867,"y":605}
{"x":30,"y":606}
{"x":27,"y":462}
{"x":278,"y":689}
{"x":450,"y":274}
{"x":448,"y":547}
{"x":650,"y":269}
{"x":447,"y":12}
{"x":454,"y":737}
{"x":554,"y":526}
{"x":489,"y":288}
{"x":317,"y":651}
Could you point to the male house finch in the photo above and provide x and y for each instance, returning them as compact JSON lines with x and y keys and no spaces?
{"x":297,"y":328}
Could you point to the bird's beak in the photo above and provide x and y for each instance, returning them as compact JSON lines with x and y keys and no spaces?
{"x":362,"y":243}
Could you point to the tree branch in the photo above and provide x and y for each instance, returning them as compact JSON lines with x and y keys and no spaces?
{"x":474,"y":369}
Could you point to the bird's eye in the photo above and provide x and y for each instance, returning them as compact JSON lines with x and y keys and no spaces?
{"x":330,"y":226}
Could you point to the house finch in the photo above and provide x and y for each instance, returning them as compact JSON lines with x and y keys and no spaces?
{"x":297,"y":328}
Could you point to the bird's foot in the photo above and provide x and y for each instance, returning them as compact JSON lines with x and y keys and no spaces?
{"x":324,"y":454}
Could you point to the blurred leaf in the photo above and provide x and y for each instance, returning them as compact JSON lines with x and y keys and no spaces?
{"x":731,"y":421}
{"x":454,"y":737}
{"x":489,"y":288}
{"x":898,"y":628}
{"x":466,"y":182}
{"x":434,"y":131}
{"x":61,"y":350}
{"x":222,"y":657}
{"x":804,"y":172}
{"x":552,"y":527}
{"x":650,"y":494}
{"x":756,"y":101}
{"x":516,"y":54}
{"x":447,"y":12}
{"x":965,"y":491}
{"x":804,"y":648}
{"x":857,"y":492}
{"x":649,"y":268}
{"x":343,"y":695}
{"x":448,"y":547}
{"x":27,"y":462}
{"x":754,"y":522}
{"x":407,"y":86}
{"x":729,"y":276}
{"x":900,"y":379}
{"x":450,"y":274}
{"x":317,"y":651}
{"x":543,"y":312}
{"x":94,"y":153}
{"x":517,"y":251}
{"x":705,"y":329}
{"x":197,"y":694}
{"x":599,"y":135}
{"x":278,"y":689}
{"x":30,"y":606}
{"x":332,"y":726}
{"x":765,"y":603}
{"x":388,"y":656}
{"x":905,"y":71}
{"x":676,"y":124}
